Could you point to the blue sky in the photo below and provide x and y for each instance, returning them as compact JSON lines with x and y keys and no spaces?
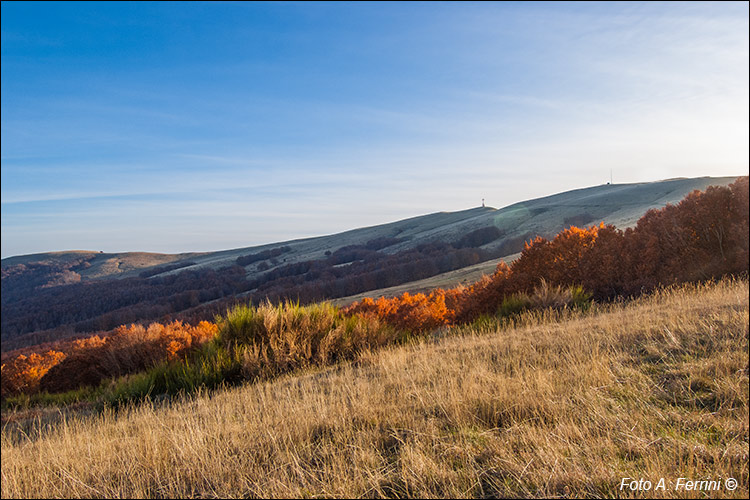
{"x":173,"y":127}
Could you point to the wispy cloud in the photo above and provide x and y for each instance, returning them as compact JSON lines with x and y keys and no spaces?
{"x":290,"y":124}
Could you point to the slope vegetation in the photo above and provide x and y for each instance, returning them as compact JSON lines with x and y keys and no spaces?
{"x":554,"y":404}
{"x":47,"y":297}
{"x":704,"y":237}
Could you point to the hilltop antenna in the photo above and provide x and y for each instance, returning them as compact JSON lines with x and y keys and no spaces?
{"x":610,"y":176}
{"x":482,"y":202}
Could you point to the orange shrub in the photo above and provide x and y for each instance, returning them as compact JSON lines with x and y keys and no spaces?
{"x":416,"y":313}
{"x":23,"y":373}
{"x":558,"y":262}
{"x":704,"y":236}
{"x":484,"y":296}
{"x":129,"y":349}
{"x":88,"y":342}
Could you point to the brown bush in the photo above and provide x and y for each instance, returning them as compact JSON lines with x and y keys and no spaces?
{"x":704,"y":236}
{"x":129,"y":349}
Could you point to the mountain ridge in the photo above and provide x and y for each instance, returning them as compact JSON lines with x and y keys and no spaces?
{"x":436,"y":225}
{"x":55,"y":295}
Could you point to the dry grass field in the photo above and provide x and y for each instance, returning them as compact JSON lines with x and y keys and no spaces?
{"x":557,"y":404}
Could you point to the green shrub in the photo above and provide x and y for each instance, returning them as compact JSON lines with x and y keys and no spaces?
{"x":580,"y":298}
{"x":270,"y":339}
{"x":514,"y":304}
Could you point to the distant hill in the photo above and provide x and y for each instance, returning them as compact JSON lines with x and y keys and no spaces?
{"x":60,"y":294}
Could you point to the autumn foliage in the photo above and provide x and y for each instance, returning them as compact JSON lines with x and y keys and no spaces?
{"x":129,"y":349}
{"x":409,"y":312}
{"x":704,"y":236}
{"x":22,"y":374}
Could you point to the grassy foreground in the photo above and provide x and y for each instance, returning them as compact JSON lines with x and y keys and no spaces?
{"x":560,"y":404}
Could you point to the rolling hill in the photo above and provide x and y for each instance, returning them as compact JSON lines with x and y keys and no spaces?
{"x":61,"y":294}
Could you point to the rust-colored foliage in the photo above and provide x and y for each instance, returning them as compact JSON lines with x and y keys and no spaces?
{"x":420,"y":312}
{"x":603,"y":271}
{"x":22,"y":374}
{"x":128,"y":349}
{"x":704,"y":236}
{"x":561,"y":259}
{"x":416,"y":313}
{"x":482,"y":296}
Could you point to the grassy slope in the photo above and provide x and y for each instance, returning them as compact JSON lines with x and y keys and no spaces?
{"x":104,"y":265}
{"x":655,"y":388}
{"x":618,"y":204}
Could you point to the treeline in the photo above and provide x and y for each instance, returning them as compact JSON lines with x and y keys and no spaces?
{"x":246,"y":260}
{"x":705,"y":236}
{"x":355,"y":269}
{"x":102,"y":305}
{"x":20,"y":280}
{"x":41,"y":314}
{"x":350,"y":270}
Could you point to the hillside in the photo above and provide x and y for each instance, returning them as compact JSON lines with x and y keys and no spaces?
{"x":46,"y":297}
{"x":554,"y":405}
{"x":618,"y":204}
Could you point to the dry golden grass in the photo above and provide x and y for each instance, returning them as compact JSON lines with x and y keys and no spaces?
{"x":653,"y":388}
